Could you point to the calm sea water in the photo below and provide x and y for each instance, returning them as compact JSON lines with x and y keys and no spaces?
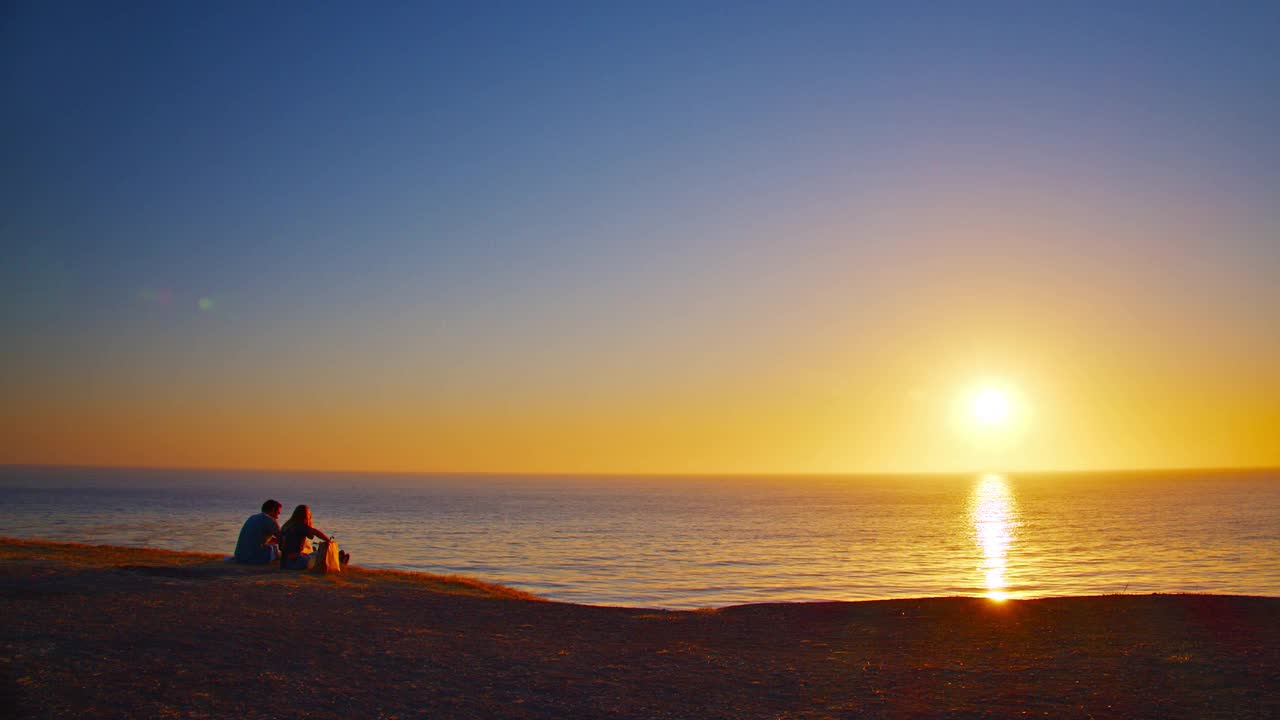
{"x":710,"y":542}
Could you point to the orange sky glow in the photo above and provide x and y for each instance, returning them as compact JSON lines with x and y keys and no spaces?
{"x":748,"y":244}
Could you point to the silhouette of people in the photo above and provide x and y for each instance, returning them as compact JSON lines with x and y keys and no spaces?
{"x":258,"y":541}
{"x":296,"y":536}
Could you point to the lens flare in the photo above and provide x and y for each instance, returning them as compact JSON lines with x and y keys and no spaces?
{"x":155,"y":296}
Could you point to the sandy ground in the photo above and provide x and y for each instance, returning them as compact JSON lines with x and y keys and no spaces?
{"x":96,"y":632}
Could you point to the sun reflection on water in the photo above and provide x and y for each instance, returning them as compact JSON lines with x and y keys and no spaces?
{"x":991,"y":506}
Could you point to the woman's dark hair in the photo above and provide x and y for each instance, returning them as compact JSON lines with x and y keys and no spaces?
{"x":301,"y":516}
{"x":270,"y":505}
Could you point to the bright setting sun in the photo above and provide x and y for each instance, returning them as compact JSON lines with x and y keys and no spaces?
{"x":990,"y":406}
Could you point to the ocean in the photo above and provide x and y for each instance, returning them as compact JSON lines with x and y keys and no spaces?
{"x":713,"y":541}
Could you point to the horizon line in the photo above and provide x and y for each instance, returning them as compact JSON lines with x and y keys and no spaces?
{"x":656,"y":475}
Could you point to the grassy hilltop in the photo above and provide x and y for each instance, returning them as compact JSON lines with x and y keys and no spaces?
{"x":108,"y":632}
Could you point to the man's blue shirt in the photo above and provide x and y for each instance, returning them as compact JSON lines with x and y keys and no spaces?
{"x":250,"y":548}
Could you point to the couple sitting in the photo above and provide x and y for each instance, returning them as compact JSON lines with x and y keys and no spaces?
{"x":261,"y":541}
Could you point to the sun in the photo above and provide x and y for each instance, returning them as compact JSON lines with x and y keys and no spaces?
{"x":991,"y":417}
{"x":991,"y":406}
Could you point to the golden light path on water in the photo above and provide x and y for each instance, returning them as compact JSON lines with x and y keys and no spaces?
{"x":992,"y":510}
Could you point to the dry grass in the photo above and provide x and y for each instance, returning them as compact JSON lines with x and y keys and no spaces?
{"x":98,"y":556}
{"x":191,"y":565}
{"x":91,"y":632}
{"x":458,"y":584}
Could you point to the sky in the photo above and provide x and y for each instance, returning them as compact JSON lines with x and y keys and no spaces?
{"x":643,"y":238}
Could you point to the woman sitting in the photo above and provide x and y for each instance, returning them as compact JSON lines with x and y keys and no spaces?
{"x":295,"y":539}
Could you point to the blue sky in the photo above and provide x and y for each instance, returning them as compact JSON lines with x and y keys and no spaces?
{"x":423,"y":179}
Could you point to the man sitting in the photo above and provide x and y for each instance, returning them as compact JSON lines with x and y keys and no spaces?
{"x":259,"y":538}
